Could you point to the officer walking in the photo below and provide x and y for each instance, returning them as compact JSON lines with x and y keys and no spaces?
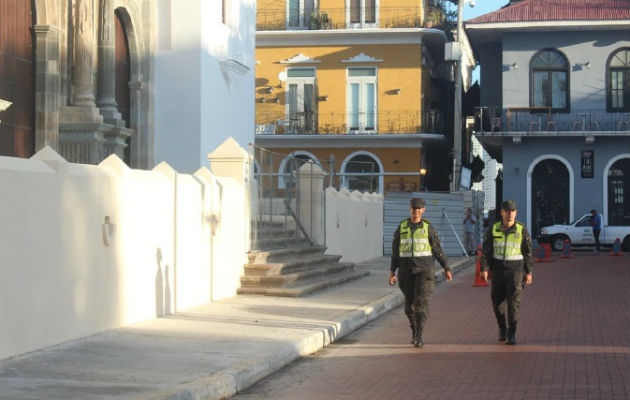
{"x":507,"y":252}
{"x":414,"y":246}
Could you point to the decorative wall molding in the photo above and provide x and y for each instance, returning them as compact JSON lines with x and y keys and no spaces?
{"x":300,"y":59}
{"x":361,"y":58}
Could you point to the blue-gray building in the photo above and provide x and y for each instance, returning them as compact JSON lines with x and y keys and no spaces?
{"x":555,"y":97}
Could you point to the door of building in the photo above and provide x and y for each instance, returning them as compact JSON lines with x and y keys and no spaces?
{"x":550,"y":195}
{"x":16,"y":78}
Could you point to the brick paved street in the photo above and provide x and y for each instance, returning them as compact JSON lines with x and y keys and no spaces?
{"x":573,"y":343}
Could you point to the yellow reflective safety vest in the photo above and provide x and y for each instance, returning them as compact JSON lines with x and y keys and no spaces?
{"x":414,"y":244}
{"x":507,"y":247}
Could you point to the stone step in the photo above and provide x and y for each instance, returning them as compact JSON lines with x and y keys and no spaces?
{"x":307,"y":287}
{"x":297,"y":278}
{"x":279,"y":243}
{"x":282,"y":254}
{"x":290,"y":266}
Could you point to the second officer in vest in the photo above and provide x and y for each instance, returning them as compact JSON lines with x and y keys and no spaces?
{"x":414,"y":247}
{"x":507,"y":252}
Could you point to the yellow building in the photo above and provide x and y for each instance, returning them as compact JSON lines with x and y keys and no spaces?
{"x":358,"y":86}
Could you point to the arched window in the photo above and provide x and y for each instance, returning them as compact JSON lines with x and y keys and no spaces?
{"x":619,"y":193}
{"x":291,"y":163}
{"x":549,"y":80}
{"x":362,"y":173}
{"x":618,"y":81}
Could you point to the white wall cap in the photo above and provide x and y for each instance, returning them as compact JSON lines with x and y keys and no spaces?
{"x":331,"y":190}
{"x":165,"y":169}
{"x":51,"y":158}
{"x":115,"y":164}
{"x":23,"y":164}
{"x":204,"y":175}
{"x":356,"y":194}
{"x":229,"y":150}
{"x":345,"y":192}
{"x":311,"y":169}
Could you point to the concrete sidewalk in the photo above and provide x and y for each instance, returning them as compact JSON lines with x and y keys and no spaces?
{"x":207,"y":352}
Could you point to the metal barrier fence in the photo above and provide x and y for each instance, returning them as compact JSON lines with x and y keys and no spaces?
{"x":283,"y":211}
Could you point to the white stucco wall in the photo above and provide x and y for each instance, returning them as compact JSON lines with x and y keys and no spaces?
{"x":354,"y":224}
{"x":173,"y":243}
{"x":204,"y":79}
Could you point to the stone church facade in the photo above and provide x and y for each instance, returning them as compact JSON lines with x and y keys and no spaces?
{"x":77,"y":73}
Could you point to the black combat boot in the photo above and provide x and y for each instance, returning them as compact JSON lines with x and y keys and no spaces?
{"x":412,"y":325}
{"x":502,"y":333}
{"x":511,"y":336}
{"x":413,"y":332}
{"x":420,"y":320}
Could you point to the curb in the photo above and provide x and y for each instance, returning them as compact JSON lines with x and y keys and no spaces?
{"x":244,"y":374}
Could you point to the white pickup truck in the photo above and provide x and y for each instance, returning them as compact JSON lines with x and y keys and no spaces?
{"x":580,"y":233}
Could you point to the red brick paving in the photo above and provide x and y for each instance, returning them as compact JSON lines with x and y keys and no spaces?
{"x":573,"y":343}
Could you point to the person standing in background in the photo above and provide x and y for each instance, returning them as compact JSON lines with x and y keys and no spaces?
{"x":470,"y":223}
{"x":596,"y":221}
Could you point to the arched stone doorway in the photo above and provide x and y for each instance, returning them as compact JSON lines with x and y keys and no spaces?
{"x":550,"y":195}
{"x":17,"y":78}
{"x":123,"y":77}
{"x":618,"y":182}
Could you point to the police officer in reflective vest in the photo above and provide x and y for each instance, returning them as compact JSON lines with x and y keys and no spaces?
{"x":507,"y":252}
{"x":414,"y":246}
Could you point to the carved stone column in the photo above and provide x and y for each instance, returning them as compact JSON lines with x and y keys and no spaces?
{"x":83,"y":56}
{"x":46,"y":87}
{"x":107,"y":65}
{"x":138,"y":143}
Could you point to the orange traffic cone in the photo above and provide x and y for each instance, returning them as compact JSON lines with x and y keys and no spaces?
{"x":478,"y":280}
{"x":616,"y":248}
{"x":544,"y":255}
{"x":566,"y":249}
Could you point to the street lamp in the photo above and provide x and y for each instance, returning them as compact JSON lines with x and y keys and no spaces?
{"x":457,"y":109}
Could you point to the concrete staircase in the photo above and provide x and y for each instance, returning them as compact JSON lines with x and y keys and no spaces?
{"x":294,"y":272}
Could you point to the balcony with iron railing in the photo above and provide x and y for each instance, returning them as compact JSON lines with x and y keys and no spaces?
{"x":543,"y":121}
{"x":365,"y":123}
{"x":340,"y":18}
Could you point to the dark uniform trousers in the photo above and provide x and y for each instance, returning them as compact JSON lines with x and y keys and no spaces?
{"x":417,"y":289}
{"x":507,"y":284}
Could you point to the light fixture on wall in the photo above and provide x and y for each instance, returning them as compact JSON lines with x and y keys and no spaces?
{"x":423,"y":171}
{"x":514,"y":65}
{"x":261,"y":100}
{"x":274,"y":100}
{"x":517,"y":171}
{"x":268,"y":89}
{"x":323,"y":98}
{"x":586,"y":65}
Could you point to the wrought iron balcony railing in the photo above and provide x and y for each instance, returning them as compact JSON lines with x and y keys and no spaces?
{"x":339,"y":18}
{"x":544,"y":121}
{"x":384,"y":122}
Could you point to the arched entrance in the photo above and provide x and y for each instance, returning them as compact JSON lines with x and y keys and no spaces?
{"x":619,"y":193}
{"x":17,"y":78}
{"x":123,"y":76}
{"x":550,"y":195}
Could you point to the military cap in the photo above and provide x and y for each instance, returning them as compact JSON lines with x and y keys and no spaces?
{"x":508,"y":205}
{"x":417,"y":202}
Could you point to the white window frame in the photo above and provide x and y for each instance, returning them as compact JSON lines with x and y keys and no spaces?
{"x":302,"y":24}
{"x":362,"y":23}
{"x":300,"y":81}
{"x":362,"y":81}
{"x":346,"y":161}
